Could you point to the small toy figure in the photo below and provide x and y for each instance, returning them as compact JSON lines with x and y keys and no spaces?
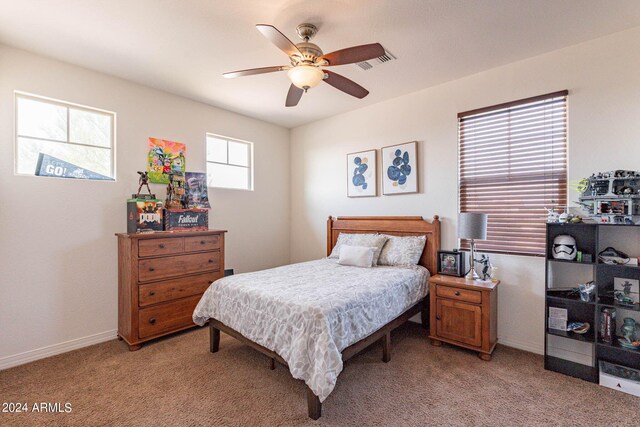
{"x":174,"y":192}
{"x":552,"y":216}
{"x":486,"y":267}
{"x":143,"y":181}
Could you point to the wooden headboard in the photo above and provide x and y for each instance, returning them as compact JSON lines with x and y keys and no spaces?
{"x":395,"y":225}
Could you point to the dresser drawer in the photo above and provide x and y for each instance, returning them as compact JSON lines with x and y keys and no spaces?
{"x":459,"y":294}
{"x":154,"y":247}
{"x":167,"y":290}
{"x":166,"y":317}
{"x":201,"y":243}
{"x":164,"y":268}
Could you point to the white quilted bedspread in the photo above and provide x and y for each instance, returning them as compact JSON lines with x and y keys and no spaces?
{"x":309,"y":312}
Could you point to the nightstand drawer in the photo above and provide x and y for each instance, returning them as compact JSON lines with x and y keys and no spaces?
{"x":459,"y":294}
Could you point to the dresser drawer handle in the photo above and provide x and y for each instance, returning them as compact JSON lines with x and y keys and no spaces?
{"x":152,"y":293}
{"x":438,"y":318}
{"x":152,"y":320}
{"x":202,"y":242}
{"x":210,"y":260}
{"x":152,"y":269}
{"x":457,"y":293}
{"x":161,"y":245}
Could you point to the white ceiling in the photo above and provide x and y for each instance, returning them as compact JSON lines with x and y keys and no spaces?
{"x":184,"y":46}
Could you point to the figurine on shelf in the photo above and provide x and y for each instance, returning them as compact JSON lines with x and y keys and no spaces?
{"x":586,"y":290}
{"x":175,"y":191}
{"x":552,"y":216}
{"x":623,"y":298}
{"x":486,"y":267}
{"x":143,"y":181}
{"x":564,"y":217}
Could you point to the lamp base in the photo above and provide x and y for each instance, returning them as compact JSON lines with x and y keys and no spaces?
{"x":472,"y":275}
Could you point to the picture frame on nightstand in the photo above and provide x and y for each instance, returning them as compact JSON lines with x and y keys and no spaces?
{"x":451,"y":263}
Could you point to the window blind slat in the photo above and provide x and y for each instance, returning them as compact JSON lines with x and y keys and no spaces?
{"x":512,"y":164}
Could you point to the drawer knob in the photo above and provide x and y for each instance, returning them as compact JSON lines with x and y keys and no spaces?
{"x":210,"y":260}
{"x":152,"y":293}
{"x":202,"y":242}
{"x":152,"y":269}
{"x":437,"y":317}
{"x":161,"y":245}
{"x":152,"y":320}
{"x":457,"y":293}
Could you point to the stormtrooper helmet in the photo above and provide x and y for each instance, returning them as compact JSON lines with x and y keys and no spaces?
{"x":564,"y":247}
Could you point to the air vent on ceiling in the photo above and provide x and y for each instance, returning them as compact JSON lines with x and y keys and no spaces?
{"x":367,"y":65}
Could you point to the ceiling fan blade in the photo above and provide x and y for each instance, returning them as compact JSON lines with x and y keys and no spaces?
{"x":293,"y":96}
{"x":354,"y":54}
{"x":344,"y":84}
{"x":279,"y":39}
{"x":252,"y":71}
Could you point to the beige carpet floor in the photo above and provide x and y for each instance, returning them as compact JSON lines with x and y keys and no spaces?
{"x":177,"y":382}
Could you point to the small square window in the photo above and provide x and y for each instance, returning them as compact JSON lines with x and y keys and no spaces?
{"x":229,"y":163}
{"x":81,"y":139}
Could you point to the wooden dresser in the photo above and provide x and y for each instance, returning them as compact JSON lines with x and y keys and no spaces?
{"x":464,"y":313}
{"x":161,"y":277}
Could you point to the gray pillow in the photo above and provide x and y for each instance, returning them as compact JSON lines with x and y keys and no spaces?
{"x":402,"y":250}
{"x":371,"y":240}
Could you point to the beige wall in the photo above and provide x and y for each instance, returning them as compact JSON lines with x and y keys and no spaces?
{"x":58,"y":249}
{"x":604,"y":133}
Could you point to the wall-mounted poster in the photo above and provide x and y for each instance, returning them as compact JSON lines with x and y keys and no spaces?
{"x":164,"y":157}
{"x":400,"y":169}
{"x":361,"y":174}
{"x":196,"y":195}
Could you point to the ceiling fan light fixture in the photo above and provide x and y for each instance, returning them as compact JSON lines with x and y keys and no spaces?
{"x":305,"y":76}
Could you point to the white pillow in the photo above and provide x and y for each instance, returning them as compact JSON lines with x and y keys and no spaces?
{"x":360,"y":239}
{"x":402,"y":250}
{"x":357,"y":256}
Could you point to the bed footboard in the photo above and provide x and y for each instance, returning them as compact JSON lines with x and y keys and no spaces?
{"x":313,"y":402}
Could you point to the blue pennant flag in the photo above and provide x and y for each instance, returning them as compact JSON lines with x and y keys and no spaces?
{"x":52,"y":166}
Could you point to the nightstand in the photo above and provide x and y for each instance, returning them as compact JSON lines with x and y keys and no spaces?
{"x":464,"y":313}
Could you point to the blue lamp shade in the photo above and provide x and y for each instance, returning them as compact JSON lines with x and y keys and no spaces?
{"x":472,"y":225}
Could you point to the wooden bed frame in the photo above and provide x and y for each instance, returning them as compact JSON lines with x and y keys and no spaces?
{"x":394,"y":225}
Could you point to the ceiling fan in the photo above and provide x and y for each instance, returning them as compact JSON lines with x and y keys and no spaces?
{"x":307,"y":59}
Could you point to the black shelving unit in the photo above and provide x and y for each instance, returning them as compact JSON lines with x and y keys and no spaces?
{"x":588,"y":240}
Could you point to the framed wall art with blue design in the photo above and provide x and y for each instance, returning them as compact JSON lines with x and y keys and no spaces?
{"x":361,"y":174}
{"x":400,"y":168}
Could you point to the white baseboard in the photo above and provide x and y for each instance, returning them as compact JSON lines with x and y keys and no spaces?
{"x":52,"y":350}
{"x":521,"y":345}
{"x":509,"y":342}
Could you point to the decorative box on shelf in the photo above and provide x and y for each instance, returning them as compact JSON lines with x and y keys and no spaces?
{"x":186,"y":219}
{"x":144,"y":214}
{"x":620,"y":378}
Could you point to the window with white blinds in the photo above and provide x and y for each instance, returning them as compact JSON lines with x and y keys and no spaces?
{"x":513,"y":164}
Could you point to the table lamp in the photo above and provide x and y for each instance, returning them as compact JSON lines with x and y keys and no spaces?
{"x":472,"y":226}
